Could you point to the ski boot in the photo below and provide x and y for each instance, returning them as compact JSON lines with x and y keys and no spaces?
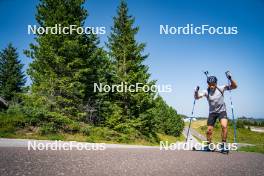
{"x":208,"y":149}
{"x":224,"y":148}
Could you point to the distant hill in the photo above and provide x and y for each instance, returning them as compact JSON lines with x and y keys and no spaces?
{"x":250,"y":121}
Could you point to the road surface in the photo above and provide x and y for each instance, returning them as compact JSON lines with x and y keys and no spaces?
{"x":193,"y":133}
{"x":119,"y":160}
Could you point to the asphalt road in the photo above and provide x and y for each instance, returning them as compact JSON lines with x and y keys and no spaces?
{"x":191,"y":138}
{"x":127,"y":161}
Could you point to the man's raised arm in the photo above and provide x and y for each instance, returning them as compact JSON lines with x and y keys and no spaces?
{"x":233,"y":83}
{"x":196,"y":93}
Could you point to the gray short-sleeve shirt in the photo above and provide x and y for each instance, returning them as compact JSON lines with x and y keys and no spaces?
{"x":216,"y":99}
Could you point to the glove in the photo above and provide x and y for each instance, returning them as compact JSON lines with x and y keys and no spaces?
{"x":228,"y":75}
{"x":197,"y":89}
{"x":196,"y":92}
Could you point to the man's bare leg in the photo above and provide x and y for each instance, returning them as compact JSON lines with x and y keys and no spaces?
{"x":209,"y":133}
{"x":224,"y":123}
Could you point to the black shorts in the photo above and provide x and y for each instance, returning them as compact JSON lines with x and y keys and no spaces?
{"x":213,"y":116}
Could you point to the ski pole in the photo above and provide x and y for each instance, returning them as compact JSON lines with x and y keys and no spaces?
{"x":190,"y":123}
{"x":228,"y":75}
{"x":192,"y":116}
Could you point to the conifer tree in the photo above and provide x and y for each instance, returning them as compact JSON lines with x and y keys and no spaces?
{"x":12,"y":78}
{"x":65,"y":66}
{"x":127,"y":57}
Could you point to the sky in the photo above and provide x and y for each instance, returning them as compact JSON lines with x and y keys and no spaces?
{"x":177,"y":60}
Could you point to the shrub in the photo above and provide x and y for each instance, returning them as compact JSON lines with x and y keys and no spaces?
{"x":240,"y":124}
{"x":73,"y":127}
{"x":100,"y":133}
{"x":13,"y":118}
{"x":126,"y":128}
{"x":124,"y":138}
{"x":14,"y":109}
{"x":86,"y":130}
{"x":48,"y":128}
{"x":166,"y":118}
{"x":115,"y":116}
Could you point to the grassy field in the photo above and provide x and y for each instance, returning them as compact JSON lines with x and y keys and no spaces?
{"x":244,"y":135}
{"x":257,"y":148}
{"x":171,"y":139}
{"x":94,"y":138}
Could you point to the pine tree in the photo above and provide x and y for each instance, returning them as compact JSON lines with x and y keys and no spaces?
{"x":127,"y":57}
{"x":65,"y":66}
{"x":12,"y":78}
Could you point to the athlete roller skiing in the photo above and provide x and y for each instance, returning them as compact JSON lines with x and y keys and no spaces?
{"x":217,"y":107}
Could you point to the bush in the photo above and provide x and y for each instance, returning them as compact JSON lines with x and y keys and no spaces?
{"x":48,"y":128}
{"x":127,"y":127}
{"x":240,"y":124}
{"x":12,"y":118}
{"x":166,"y":118}
{"x":7,"y":131}
{"x":100,"y":133}
{"x":39,"y":112}
{"x":104,"y":133}
{"x":34,"y":115}
{"x":14,"y":109}
{"x":115,"y":116}
{"x":86,"y":130}
{"x":124,"y":138}
{"x":73,"y":127}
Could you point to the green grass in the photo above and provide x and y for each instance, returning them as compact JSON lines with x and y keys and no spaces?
{"x":244,"y":135}
{"x":257,"y":148}
{"x":94,"y":138}
{"x":9,"y":124}
{"x":171,"y":139}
